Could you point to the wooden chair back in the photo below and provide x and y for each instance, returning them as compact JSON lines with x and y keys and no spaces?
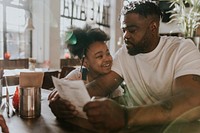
{"x":47,"y":80}
{"x":66,"y":70}
{"x":11,"y":80}
{"x":69,"y":62}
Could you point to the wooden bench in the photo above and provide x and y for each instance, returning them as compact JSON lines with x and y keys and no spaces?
{"x":15,"y":63}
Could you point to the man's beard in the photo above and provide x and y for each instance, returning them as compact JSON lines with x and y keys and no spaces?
{"x":139,"y":48}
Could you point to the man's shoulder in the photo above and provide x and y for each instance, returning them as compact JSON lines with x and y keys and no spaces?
{"x":177,"y":45}
{"x":172,"y":38}
{"x":175,"y":41}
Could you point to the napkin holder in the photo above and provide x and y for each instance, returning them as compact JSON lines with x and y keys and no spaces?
{"x":30,"y":94}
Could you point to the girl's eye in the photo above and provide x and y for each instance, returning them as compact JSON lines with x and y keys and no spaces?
{"x":99,"y":57}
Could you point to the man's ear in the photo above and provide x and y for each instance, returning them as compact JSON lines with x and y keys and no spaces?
{"x":153,"y":26}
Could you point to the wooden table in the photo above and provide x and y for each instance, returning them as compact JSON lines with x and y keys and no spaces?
{"x":47,"y":123}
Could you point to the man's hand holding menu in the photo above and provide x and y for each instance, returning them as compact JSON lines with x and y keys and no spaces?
{"x":73,"y":91}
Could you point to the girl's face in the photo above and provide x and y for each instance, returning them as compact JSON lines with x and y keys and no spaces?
{"x":98,"y":59}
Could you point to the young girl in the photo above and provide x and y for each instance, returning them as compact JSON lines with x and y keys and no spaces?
{"x":91,"y":48}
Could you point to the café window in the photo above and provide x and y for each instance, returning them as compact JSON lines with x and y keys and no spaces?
{"x":78,"y":13}
{"x":13,"y":38}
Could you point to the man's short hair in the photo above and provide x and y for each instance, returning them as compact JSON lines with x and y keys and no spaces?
{"x":142,"y":7}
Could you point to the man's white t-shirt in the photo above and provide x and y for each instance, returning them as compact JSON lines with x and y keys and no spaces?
{"x":149,"y":77}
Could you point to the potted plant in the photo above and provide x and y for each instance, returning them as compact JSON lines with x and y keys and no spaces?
{"x":187,"y":14}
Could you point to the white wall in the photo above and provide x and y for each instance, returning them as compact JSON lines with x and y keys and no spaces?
{"x":115,"y":31}
{"x":169,"y":28}
{"x":46,"y":35}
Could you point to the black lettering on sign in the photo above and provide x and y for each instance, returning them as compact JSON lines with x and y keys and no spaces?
{"x":95,"y":10}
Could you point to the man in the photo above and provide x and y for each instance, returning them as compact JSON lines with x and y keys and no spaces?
{"x":161,"y":73}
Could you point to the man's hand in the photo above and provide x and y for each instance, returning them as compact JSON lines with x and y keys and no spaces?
{"x":62,"y":109}
{"x":105,"y":114}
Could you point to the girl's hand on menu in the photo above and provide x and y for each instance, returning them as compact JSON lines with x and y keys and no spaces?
{"x":62,"y":109}
{"x":53,"y":95}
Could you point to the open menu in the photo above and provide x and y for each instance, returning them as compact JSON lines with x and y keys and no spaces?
{"x":73,"y":91}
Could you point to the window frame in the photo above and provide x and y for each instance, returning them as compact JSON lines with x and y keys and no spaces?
{"x":23,"y":36}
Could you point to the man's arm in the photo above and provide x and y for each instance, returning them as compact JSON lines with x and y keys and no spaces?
{"x":105,"y":84}
{"x":182,"y":106}
{"x":185,"y":100}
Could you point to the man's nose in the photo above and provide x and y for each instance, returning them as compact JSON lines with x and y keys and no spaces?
{"x":126,"y":35}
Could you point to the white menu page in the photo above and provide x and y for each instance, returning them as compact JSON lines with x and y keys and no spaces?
{"x":73,"y":91}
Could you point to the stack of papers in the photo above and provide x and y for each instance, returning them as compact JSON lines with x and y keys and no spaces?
{"x":73,"y":91}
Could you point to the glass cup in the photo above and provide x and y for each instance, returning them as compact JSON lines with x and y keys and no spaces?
{"x":32,"y":64}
